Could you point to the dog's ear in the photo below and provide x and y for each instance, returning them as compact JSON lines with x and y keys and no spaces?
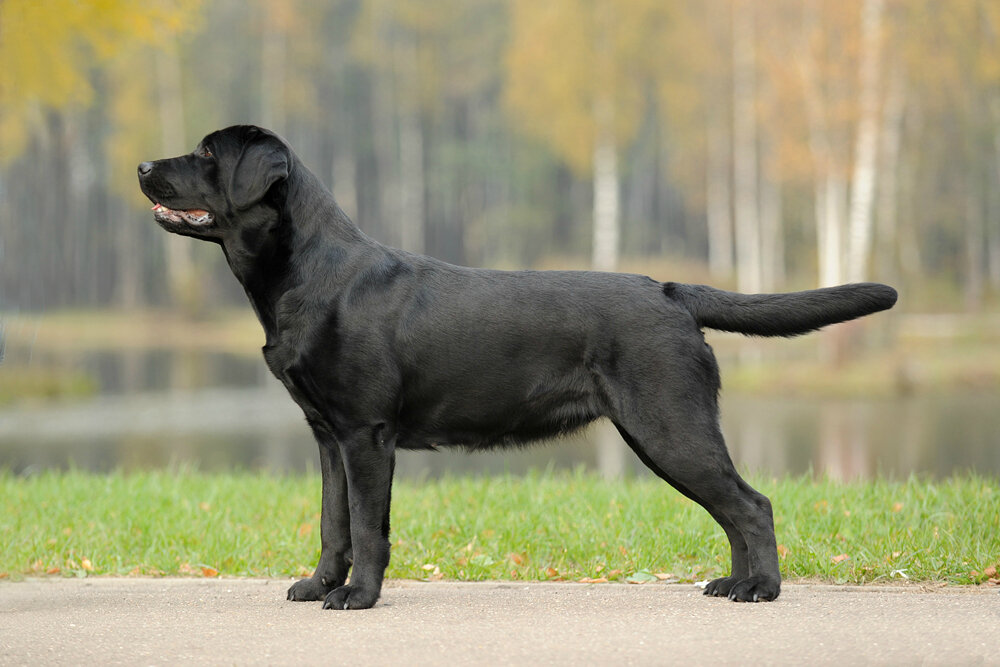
{"x":263,"y":162}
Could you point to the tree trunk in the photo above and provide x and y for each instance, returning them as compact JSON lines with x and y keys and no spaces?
{"x":993,"y":217}
{"x":888,"y":190}
{"x":973,"y":242}
{"x":272,"y":74}
{"x":863,"y":180}
{"x":772,"y":253}
{"x":828,"y":186}
{"x":746,"y":211}
{"x":411,"y":182}
{"x":181,"y":280}
{"x":606,"y":206}
{"x":719,"y":196}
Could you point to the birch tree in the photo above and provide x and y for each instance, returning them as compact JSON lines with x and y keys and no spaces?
{"x":575,"y":75}
{"x":863,"y":179}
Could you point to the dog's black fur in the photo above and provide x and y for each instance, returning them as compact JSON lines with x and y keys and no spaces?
{"x":386,"y":350}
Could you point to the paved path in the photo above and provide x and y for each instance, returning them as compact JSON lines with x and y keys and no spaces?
{"x":239,"y":621}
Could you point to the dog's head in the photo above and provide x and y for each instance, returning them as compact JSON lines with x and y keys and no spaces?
{"x":206,"y":193}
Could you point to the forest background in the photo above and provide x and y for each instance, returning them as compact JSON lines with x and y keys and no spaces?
{"x":757,"y":145}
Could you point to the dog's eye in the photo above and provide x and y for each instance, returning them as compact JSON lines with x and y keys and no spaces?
{"x":206,"y":151}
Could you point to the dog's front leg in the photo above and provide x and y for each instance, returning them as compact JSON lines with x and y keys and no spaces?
{"x":368,"y":460}
{"x":335,"y":526}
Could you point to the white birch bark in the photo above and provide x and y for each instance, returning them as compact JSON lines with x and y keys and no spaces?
{"x":828,"y":187}
{"x":863,"y":180}
{"x":605,"y":163}
{"x":746,"y":206}
{"x":606,"y":204}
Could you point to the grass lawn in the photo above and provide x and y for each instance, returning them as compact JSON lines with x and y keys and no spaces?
{"x":541,"y":527}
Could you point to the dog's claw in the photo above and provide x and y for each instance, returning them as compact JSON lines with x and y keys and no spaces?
{"x":347,"y":597}
{"x":755,"y":589}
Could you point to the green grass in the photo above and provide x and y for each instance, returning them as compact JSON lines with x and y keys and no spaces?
{"x":542,"y":527}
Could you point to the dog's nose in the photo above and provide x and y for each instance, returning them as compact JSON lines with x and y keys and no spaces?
{"x":145,"y":168}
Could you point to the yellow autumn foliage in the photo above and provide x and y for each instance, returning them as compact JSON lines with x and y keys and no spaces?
{"x":46,"y":49}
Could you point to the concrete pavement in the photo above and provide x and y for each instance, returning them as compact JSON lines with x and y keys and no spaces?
{"x":243,"y":621}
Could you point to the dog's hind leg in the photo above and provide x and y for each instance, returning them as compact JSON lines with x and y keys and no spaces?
{"x":668,"y":415}
{"x":695,"y":462}
{"x":335,"y":526}
{"x":739,"y":560}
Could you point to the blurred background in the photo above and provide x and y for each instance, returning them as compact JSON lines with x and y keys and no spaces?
{"x":755,"y":146}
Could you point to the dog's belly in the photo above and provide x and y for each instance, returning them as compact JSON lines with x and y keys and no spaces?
{"x":497,"y":414}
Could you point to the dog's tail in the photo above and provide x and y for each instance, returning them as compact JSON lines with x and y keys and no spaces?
{"x":789,"y":314}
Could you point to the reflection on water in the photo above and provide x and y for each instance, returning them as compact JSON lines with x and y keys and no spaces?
{"x":224,"y":413}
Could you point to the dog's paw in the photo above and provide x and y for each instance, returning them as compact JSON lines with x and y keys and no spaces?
{"x":757,"y":588}
{"x":350,"y":597}
{"x":308,"y":590}
{"x":720,"y":587}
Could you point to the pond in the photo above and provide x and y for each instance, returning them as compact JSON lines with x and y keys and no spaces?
{"x":220,"y":412}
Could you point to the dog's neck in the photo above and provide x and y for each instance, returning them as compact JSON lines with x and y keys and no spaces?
{"x":304,"y":239}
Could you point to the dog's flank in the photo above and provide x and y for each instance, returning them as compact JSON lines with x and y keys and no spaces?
{"x":385,"y":350}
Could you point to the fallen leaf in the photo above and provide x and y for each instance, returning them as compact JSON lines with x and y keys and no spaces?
{"x":640,"y":577}
{"x":782,"y":550}
{"x":840,"y":558}
{"x":4,"y":575}
{"x":207,"y":571}
{"x":551,"y":572}
{"x":897,"y":507}
{"x":53,"y":570}
{"x":87,"y":565}
{"x":305,"y":530}
{"x":519,"y":558}
{"x":427,"y":567}
{"x":613,"y":573}
{"x":590,"y":580}
{"x":663,"y":576}
{"x":185,"y":568}
{"x":623,"y":551}
{"x":991,"y":571}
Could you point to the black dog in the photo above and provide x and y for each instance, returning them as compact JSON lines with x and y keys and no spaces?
{"x":383,"y":349}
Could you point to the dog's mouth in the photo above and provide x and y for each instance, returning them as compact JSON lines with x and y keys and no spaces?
{"x":193,"y":216}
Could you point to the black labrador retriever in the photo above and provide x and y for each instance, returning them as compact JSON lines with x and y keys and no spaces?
{"x":384,"y":350}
